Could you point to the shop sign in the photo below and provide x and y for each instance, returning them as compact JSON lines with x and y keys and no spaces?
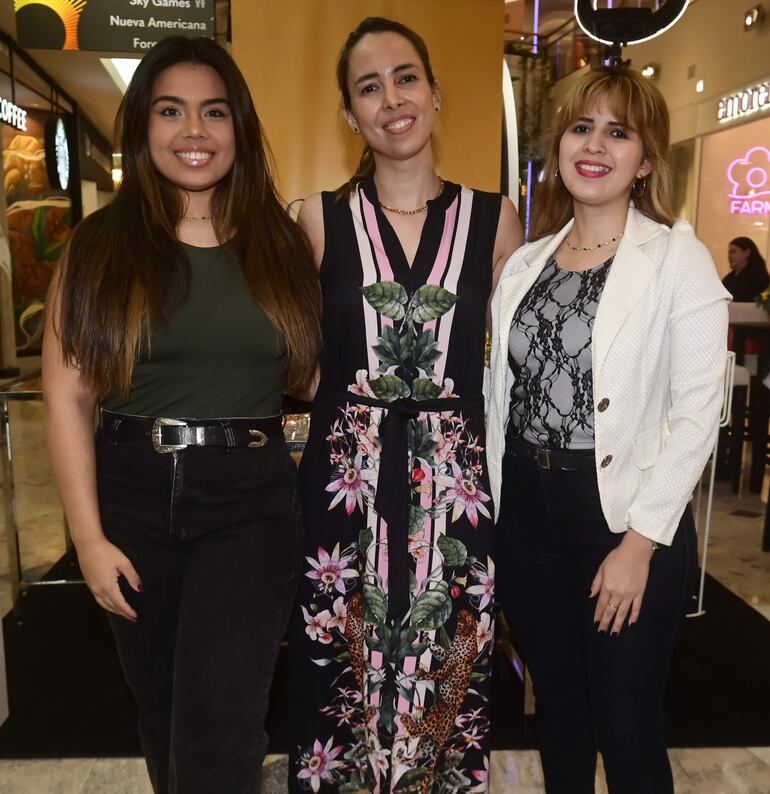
{"x":744,"y":103}
{"x":13,"y":115}
{"x":749,"y":178}
{"x":113,"y":25}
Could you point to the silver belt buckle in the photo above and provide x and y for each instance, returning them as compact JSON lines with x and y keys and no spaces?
{"x":155,"y":434}
{"x":543,"y":458}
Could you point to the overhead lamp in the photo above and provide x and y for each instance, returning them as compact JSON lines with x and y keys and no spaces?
{"x":699,"y":86}
{"x":753,"y":17}
{"x":651,"y":71}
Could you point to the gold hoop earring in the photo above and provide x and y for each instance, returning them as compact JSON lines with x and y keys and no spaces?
{"x":638,"y":189}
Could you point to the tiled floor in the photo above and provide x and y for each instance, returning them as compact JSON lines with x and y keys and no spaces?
{"x":734,"y":558}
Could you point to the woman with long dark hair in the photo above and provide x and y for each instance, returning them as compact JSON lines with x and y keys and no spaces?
{"x":394,"y":623}
{"x":748,"y":274}
{"x":608,"y":360}
{"x":183,"y":310}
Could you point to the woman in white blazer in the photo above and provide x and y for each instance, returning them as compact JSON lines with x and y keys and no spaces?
{"x":608,"y":355}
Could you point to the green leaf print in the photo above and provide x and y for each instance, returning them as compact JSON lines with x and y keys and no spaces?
{"x":410,"y":780}
{"x":420,"y":440}
{"x":432,"y":609}
{"x":387,"y":297}
{"x":430,"y":302}
{"x":416,"y":518}
{"x":375,"y":604}
{"x":425,"y":389}
{"x":389,"y":388}
{"x":453,"y":551}
{"x":426,"y":352}
{"x":388,"y":348}
{"x":365,"y":538}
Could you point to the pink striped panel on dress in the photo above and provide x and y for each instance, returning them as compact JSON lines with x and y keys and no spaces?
{"x":453,"y":276}
{"x":371,"y":319}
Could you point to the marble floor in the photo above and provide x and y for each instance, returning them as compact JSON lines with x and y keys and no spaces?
{"x":734,"y":557}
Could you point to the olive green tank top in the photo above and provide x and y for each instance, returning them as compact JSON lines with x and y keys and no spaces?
{"x":218,"y":355}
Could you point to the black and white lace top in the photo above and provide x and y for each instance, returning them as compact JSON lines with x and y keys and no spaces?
{"x":550,"y":357}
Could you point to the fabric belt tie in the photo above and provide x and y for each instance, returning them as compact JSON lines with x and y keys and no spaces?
{"x":172,"y":435}
{"x":393,"y":485}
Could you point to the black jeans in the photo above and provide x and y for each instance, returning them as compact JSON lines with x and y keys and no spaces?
{"x":593,"y":691}
{"x":216,"y":542}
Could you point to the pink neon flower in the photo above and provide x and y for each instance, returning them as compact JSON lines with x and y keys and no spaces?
{"x":465,"y":496}
{"x":319,"y":762}
{"x":351,"y":484}
{"x":331,"y":571}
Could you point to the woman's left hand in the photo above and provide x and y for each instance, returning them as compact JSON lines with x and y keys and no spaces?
{"x":620,"y":582}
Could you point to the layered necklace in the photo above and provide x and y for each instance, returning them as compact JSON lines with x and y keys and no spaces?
{"x":417,"y":211}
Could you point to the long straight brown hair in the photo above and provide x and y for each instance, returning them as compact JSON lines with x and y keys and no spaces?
{"x":365,"y":168}
{"x":124,"y":261}
{"x":637,"y":104}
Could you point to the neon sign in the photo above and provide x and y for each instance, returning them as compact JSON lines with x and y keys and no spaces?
{"x":749,"y":178}
{"x":744,"y":103}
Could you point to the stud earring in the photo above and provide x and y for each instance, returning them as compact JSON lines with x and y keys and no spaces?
{"x":355,"y":129}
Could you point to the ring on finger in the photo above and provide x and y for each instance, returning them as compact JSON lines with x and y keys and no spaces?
{"x":612,"y":606}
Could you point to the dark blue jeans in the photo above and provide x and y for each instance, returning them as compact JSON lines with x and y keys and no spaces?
{"x":217,"y":546}
{"x":593,"y":691}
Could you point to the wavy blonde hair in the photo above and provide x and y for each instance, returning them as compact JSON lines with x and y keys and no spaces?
{"x":637,"y":104}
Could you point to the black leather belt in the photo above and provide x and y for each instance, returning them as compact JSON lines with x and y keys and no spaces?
{"x":172,"y":435}
{"x":566,"y":459}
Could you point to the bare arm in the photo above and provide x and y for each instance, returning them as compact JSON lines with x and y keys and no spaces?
{"x":509,"y":237}
{"x":69,"y":432}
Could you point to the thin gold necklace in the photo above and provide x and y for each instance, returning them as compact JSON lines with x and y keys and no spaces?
{"x":197,"y":217}
{"x":592,"y":247}
{"x":419,"y":209}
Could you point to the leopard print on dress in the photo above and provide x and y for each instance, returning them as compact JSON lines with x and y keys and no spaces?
{"x":453,"y":678}
{"x":355,"y":635}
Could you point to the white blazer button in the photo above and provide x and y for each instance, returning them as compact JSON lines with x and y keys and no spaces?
{"x":606,"y":462}
{"x":603,"y":405}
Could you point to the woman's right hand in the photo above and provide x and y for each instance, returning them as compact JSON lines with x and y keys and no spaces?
{"x":102,"y":563}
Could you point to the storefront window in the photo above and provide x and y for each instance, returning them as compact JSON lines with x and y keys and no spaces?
{"x":734,"y":193}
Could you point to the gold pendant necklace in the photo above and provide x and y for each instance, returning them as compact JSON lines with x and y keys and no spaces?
{"x":419,"y":209}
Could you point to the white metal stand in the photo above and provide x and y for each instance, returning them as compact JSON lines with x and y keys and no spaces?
{"x":724,"y":419}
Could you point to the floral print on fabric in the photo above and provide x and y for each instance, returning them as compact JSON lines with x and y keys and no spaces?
{"x":393,"y":699}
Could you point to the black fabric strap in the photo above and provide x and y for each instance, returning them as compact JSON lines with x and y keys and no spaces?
{"x":393,"y":489}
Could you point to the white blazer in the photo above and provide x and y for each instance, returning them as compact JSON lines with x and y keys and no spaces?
{"x":658,"y":353}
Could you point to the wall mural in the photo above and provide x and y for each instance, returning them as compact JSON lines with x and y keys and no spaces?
{"x":39,"y":224}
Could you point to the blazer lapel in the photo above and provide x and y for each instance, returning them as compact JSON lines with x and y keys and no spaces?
{"x":630,"y":274}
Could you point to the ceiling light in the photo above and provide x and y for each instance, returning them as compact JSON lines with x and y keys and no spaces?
{"x":753,"y":17}
{"x":121,"y":70}
{"x":699,"y":86}
{"x":651,"y":70}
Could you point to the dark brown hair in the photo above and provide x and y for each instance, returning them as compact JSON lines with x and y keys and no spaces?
{"x":125,"y":260}
{"x":747,"y":244}
{"x":374,"y":25}
{"x":637,"y":104}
